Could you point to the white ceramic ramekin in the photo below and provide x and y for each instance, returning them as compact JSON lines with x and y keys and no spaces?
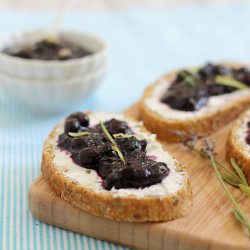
{"x":52,"y":70}
{"x":51,"y":97}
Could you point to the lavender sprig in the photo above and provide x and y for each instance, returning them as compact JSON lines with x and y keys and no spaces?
{"x":237,"y":179}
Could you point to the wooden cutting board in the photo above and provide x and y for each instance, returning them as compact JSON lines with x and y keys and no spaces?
{"x":209,"y":225}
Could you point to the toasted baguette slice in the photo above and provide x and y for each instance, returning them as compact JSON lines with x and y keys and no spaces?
{"x":161,"y":119}
{"x":82,"y":187}
{"x":237,"y":147}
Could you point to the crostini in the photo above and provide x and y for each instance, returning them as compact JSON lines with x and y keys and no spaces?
{"x":110,"y":166}
{"x":196,"y":100}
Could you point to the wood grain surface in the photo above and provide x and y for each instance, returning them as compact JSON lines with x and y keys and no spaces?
{"x":209,"y":226}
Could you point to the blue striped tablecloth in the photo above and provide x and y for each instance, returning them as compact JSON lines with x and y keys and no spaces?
{"x":145,"y":44}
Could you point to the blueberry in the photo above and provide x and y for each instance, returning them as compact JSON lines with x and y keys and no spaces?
{"x":109,"y":165}
{"x":129,"y":144}
{"x":210,"y":70}
{"x":248,"y":139}
{"x":160,"y":168}
{"x":143,"y":144}
{"x":95,"y":140}
{"x":243,"y":75}
{"x":200,"y":103}
{"x":221,"y":70}
{"x":81,"y":117}
{"x":64,"y":141}
{"x":78,"y":143}
{"x":23,"y":54}
{"x":216,"y":89}
{"x":106,"y":149}
{"x":47,"y":43}
{"x":137,"y":175}
{"x":88,"y":157}
{"x":115,"y":126}
{"x":187,"y":101}
{"x":71,"y":125}
{"x":207,"y":70}
{"x":173,"y":102}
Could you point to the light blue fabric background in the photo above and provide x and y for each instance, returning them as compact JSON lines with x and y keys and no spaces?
{"x":144,"y":44}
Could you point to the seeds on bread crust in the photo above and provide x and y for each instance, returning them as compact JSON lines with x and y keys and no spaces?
{"x":139,"y":202}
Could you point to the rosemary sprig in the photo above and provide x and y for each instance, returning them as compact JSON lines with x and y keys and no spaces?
{"x":229,"y":81}
{"x":115,"y":146}
{"x":78,"y":134}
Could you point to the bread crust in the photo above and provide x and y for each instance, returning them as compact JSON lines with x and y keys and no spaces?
{"x":203,"y":125}
{"x":128,"y":208}
{"x":236,"y":150}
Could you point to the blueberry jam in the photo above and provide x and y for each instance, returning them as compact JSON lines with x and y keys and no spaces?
{"x":91,"y":148}
{"x":190,"y":90}
{"x":48,"y":49}
{"x":248,"y":133}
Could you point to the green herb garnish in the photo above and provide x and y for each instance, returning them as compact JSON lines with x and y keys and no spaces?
{"x":230,"y":82}
{"x":115,"y":146}
{"x":188,"y":78}
{"x":78,"y":134}
{"x":239,"y":172}
{"x":193,"y":70}
{"x":121,"y":135}
{"x":238,"y":213}
{"x":236,"y":179}
{"x":116,"y":149}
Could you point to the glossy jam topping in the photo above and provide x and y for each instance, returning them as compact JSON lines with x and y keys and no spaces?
{"x":48,"y":49}
{"x":248,"y":133}
{"x":191,"y":89}
{"x":94,"y":150}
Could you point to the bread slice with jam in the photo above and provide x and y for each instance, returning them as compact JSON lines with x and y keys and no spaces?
{"x":196,"y":100}
{"x":111,"y":166}
{"x":238,"y":144}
